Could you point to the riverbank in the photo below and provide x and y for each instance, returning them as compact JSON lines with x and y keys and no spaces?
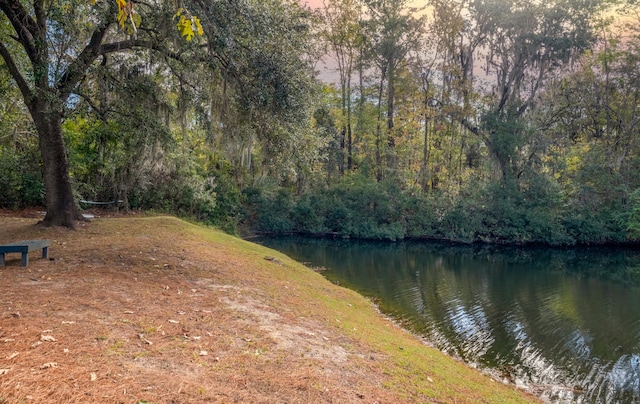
{"x":153,"y":309}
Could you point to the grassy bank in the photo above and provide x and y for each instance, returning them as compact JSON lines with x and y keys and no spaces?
{"x":158,"y":310}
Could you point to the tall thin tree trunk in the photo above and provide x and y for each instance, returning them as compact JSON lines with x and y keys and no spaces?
{"x":425,"y":154}
{"x":392,"y":160}
{"x":349,"y":136}
{"x":379,"y":170}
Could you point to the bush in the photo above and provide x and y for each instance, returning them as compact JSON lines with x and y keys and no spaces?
{"x":495,"y":213}
{"x":21,"y":183}
{"x":307,"y":215}
{"x":268,"y":211}
{"x":419,"y":216}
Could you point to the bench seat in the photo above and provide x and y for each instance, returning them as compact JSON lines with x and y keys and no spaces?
{"x":24,"y":247}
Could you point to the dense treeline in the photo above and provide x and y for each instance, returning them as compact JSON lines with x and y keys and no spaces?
{"x":510,"y":121}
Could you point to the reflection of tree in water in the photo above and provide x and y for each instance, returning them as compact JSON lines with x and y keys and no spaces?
{"x":621,"y":265}
{"x":548,"y":317}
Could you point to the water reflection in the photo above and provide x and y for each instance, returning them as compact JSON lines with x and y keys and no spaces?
{"x":565,"y":322}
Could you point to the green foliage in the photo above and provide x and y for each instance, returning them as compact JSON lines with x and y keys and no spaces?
{"x":306,"y":215}
{"x":226,"y":212}
{"x":420,"y":213}
{"x":633,"y":223}
{"x":362,"y":209}
{"x":183,"y":126}
{"x":21,"y":182}
{"x":495,"y":213}
{"x":267,"y":210}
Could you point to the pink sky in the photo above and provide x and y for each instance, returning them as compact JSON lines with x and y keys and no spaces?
{"x":318,"y":3}
{"x":313,"y":3}
{"x":327,"y":69}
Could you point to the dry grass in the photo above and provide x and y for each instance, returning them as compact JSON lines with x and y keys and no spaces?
{"x":156,"y":310}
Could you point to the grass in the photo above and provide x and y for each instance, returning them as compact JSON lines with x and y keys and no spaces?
{"x":162,"y":310}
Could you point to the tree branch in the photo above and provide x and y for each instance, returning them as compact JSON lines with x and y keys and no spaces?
{"x":17,"y":76}
{"x":78,"y":68}
{"x":469,"y":126}
{"x":41,"y":18}
{"x":25,"y":27}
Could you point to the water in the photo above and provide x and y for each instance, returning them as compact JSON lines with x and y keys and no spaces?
{"x":563,"y":323}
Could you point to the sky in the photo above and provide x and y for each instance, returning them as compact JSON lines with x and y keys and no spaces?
{"x":327,"y":69}
{"x":318,"y":3}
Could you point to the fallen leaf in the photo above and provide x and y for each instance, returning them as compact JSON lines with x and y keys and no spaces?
{"x":196,"y":338}
{"x":47,"y":338}
{"x":49,"y":365}
{"x":146,"y":341}
{"x":94,"y":376}
{"x":174,"y":321}
{"x":128,"y":312}
{"x":203,"y":353}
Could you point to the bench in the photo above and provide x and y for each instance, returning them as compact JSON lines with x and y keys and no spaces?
{"x":24,"y":247}
{"x":116,"y":203}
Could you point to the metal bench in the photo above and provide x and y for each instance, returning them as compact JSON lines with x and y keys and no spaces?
{"x":24,"y":247}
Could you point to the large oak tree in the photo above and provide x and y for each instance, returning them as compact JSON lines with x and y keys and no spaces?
{"x":49,"y":47}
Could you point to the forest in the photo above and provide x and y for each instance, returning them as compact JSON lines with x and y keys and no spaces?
{"x":500,"y":121}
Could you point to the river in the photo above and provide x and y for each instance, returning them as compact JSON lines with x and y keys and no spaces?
{"x":564,"y":323}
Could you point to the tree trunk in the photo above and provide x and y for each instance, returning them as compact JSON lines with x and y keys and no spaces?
{"x":61,"y":206}
{"x":379,"y":169}
{"x":424,"y":167}
{"x":391,"y":141}
{"x":349,"y":135}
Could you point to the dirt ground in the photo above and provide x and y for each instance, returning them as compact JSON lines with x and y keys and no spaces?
{"x":105,"y":319}
{"x":147,"y":310}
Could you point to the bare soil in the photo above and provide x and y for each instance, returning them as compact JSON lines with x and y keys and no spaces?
{"x":149,"y":310}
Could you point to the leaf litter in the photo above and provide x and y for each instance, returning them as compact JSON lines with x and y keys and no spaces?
{"x":245,"y":342}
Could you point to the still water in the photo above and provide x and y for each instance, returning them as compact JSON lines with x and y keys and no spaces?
{"x":564,"y":323}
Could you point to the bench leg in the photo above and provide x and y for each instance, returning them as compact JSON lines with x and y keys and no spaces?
{"x":25,"y":259}
{"x":45,"y":252}
{"x":1,"y":259}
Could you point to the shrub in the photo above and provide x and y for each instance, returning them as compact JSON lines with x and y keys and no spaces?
{"x":21,"y":183}
{"x":268,"y":211}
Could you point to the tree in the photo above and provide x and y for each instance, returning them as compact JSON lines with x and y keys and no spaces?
{"x":392,"y":33}
{"x":344,"y":36}
{"x":63,"y":39}
{"x":60,"y":49}
{"x":593,"y":117}
{"x":525,"y":41}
